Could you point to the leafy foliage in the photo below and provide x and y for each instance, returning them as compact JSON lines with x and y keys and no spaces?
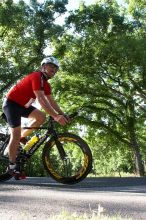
{"x":102,"y":50}
{"x":103,"y":70}
{"x":25,"y":31}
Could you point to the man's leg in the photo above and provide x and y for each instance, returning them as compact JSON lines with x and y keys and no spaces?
{"x":37,"y":118}
{"x":14,"y":143}
{"x":14,"y":167}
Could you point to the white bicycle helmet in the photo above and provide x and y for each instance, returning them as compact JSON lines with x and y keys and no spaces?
{"x":52,"y":60}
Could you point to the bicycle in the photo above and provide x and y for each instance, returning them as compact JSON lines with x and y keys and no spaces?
{"x":66,"y":157}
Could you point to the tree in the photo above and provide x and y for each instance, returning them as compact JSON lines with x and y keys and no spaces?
{"x":137,"y":8}
{"x":25,"y":30}
{"x":105,"y":71}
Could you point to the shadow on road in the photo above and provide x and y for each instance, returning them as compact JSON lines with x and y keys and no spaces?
{"x":92,"y":184}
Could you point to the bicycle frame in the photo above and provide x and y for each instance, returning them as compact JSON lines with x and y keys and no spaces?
{"x":66,"y":157}
{"x":50,"y":131}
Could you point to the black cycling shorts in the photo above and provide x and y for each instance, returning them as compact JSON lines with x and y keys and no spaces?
{"x":13,"y":112}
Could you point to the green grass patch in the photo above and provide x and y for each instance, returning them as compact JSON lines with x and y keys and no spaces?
{"x":64,"y":215}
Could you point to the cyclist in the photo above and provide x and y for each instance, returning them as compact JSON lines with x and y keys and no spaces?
{"x":18,"y":103}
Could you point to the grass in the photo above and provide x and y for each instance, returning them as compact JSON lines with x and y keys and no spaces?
{"x":91,"y":215}
{"x":64,"y":215}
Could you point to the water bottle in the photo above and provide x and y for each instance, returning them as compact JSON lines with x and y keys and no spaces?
{"x":31,"y":142}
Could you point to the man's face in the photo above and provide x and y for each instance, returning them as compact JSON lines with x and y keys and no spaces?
{"x":50,"y":69}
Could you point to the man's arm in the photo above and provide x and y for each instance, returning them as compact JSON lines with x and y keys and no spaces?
{"x":54,"y":104}
{"x":49,"y":108}
{"x":45,"y":103}
{"x":57,"y":108}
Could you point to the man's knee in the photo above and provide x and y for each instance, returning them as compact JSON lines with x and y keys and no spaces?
{"x":42,"y":118}
{"x":38,"y":116}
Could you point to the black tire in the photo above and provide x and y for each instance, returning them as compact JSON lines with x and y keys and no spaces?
{"x":4,"y":160}
{"x":79,"y":163}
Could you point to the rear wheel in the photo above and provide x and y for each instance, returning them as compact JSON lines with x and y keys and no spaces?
{"x":76,"y":165}
{"x":4,"y":160}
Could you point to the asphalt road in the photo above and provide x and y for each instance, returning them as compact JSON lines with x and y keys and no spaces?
{"x":42,"y":198}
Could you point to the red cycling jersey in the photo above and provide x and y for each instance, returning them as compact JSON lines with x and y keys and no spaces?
{"x":23,"y":92}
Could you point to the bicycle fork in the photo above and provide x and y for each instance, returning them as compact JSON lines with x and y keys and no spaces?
{"x":63,"y":155}
{"x":60,"y":148}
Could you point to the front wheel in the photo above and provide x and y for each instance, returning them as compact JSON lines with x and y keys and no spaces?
{"x":77,"y":164}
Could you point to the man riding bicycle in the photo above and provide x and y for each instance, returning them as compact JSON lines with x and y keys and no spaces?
{"x":18,"y":103}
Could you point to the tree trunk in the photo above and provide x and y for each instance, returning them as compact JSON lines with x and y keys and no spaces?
{"x":139,"y":167}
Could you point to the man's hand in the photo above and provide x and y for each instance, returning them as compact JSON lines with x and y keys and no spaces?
{"x":67,"y":117}
{"x":61,"y":119}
